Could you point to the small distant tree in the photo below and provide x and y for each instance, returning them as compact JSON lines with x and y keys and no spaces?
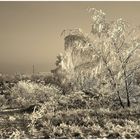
{"x":117,"y":46}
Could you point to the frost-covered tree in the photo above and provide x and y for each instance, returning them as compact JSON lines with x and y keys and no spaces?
{"x":106,"y":59}
{"x":117,"y":46}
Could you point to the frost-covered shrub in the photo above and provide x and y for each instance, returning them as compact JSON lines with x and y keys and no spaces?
{"x":27,"y":93}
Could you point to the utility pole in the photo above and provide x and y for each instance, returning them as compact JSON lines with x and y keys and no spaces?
{"x":33,"y":69}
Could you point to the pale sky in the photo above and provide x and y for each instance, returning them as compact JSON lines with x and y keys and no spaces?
{"x":30,"y":31}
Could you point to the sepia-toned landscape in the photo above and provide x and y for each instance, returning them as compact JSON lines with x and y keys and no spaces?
{"x":92,"y":92}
